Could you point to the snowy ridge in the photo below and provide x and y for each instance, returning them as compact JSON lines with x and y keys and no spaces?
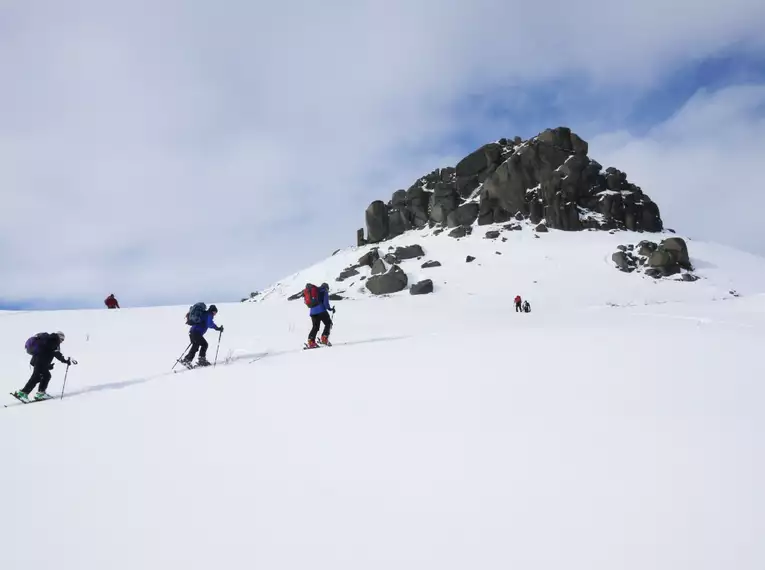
{"x":555,"y":270}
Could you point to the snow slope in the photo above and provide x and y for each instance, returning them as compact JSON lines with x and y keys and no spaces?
{"x":441,"y":431}
{"x":555,"y":270}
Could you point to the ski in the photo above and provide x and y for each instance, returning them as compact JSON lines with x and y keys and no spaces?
{"x":28,"y":401}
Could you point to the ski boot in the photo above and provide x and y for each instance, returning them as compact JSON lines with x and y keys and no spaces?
{"x":325,"y":341}
{"x":203,"y":361}
{"x":23,"y":396}
{"x":42,"y":396}
{"x":311,"y":344}
{"x":187,"y":363}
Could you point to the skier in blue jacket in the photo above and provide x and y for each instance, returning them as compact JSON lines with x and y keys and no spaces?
{"x":197,"y":336}
{"x":320,"y":314}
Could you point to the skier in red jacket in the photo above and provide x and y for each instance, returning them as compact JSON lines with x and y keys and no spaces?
{"x":518,"y":304}
{"x":111,"y":302}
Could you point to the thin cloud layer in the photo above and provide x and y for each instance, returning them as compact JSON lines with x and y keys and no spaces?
{"x":172,"y":151}
{"x":702,"y":166}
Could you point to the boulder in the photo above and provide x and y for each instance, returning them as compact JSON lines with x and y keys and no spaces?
{"x":377,"y":221}
{"x":390,"y":259}
{"x":464,"y":215}
{"x":422,"y":287}
{"x":512,"y":227}
{"x":346,"y":273}
{"x":679,"y":248}
{"x":429,"y":264}
{"x":336,"y":297}
{"x":622,"y":261}
{"x":646,"y":248}
{"x":392,"y":281}
{"x":378,"y":267}
{"x":660,"y":258}
{"x":409,"y":252}
{"x":492,"y":234}
{"x":461,"y":232}
{"x":369,"y":258}
{"x":360,"y":241}
{"x":541,"y":228}
{"x":469,"y":259}
{"x":479,"y":161}
{"x":690,"y":277}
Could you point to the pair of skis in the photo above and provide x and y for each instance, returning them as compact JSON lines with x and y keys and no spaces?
{"x":30,"y":401}
{"x":317,"y":345}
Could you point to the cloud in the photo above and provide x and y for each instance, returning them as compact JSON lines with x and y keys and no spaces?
{"x":178,"y":150}
{"x":702,"y":166}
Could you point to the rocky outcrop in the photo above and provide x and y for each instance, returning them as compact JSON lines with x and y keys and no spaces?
{"x":547,"y":178}
{"x":393,"y":281}
{"x":664,"y":259}
{"x":378,"y":267}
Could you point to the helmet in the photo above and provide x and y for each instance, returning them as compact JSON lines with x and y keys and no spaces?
{"x":325,"y":286}
{"x":213,"y":309}
{"x":61,"y":336}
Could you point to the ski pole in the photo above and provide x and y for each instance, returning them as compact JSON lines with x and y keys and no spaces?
{"x":181,"y":356}
{"x":220,"y":334}
{"x":65,"y":375}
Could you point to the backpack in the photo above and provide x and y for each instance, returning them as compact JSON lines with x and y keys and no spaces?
{"x":311,"y":295}
{"x":526,"y":307}
{"x":33,"y":343}
{"x":196,"y":314}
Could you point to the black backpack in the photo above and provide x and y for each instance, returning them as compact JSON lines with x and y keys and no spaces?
{"x":197,"y":313}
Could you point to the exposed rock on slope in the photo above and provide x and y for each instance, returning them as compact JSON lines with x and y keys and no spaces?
{"x":665,"y":259}
{"x":547,"y":178}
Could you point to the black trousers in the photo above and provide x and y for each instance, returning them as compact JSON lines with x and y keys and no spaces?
{"x":518,"y":308}
{"x":199,"y":343}
{"x":317,"y":321}
{"x":41,"y":375}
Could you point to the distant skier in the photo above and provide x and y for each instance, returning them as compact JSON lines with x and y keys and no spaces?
{"x":43,"y":347}
{"x":518,"y":308}
{"x":526,"y":307}
{"x":200,"y":318}
{"x":111,"y":302}
{"x":317,"y":300}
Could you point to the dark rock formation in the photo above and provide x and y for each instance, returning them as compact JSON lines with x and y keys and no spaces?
{"x":392,"y":281}
{"x":469,"y":259}
{"x":429,"y":264}
{"x":492,"y":234}
{"x":668,"y":258}
{"x":541,"y":228}
{"x":422,"y":288}
{"x":409,"y":252}
{"x":548,"y":177}
{"x":346,"y":273}
{"x":378,"y":267}
{"x":461,"y":232}
{"x":369,"y":258}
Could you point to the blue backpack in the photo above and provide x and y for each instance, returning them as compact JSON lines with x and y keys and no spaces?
{"x":33,"y":344}
{"x":197,"y":314}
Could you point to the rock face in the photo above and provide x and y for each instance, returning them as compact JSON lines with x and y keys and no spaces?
{"x":422,"y":287}
{"x":393,"y":281}
{"x":547,"y":178}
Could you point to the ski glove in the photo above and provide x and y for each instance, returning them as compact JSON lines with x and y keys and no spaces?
{"x":333,"y":310}
{"x":220,"y":329}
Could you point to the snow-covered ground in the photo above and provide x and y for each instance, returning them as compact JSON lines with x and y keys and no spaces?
{"x":442,"y":431}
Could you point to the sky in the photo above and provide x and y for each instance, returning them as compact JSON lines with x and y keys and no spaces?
{"x":177,"y":151}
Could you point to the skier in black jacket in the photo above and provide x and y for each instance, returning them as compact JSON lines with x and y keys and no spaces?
{"x":48,"y":347}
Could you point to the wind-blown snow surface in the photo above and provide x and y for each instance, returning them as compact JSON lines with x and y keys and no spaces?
{"x":442,"y":431}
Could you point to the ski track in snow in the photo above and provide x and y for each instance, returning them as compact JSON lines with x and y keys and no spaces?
{"x":618,"y":425}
